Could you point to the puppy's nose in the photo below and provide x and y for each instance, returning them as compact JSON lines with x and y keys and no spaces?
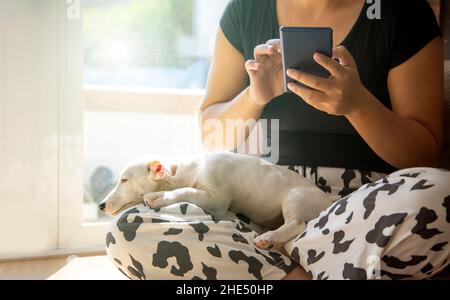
{"x":102,"y":206}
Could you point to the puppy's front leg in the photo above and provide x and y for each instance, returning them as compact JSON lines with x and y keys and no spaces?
{"x":205,"y":200}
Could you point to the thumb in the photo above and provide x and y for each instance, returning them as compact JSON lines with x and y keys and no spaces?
{"x":344,"y":57}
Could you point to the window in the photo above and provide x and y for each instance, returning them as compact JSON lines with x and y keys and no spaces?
{"x":145,"y":66}
{"x":149,"y":43}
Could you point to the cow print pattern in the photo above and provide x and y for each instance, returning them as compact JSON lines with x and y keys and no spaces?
{"x":201,"y":229}
{"x":349,"y":219}
{"x":276,"y":259}
{"x":136,"y":270}
{"x":439,"y":247}
{"x":166,"y":250}
{"x":183,"y":208}
{"x":369,"y":201}
{"x":313,"y":257}
{"x":338,"y":209}
{"x":377,"y":236}
{"x":394,"y":276}
{"x":347,"y":177}
{"x":239,"y":238}
{"x":340,"y":246}
{"x":110,"y":239}
{"x":210,"y":273}
{"x":243,"y":228}
{"x":295,"y":255}
{"x":215,"y":251}
{"x":388,"y":227}
{"x":425,"y":217}
{"x":353,"y":273}
{"x":129,"y":229}
{"x":403,"y":212}
{"x":173,"y":231}
{"x":396,"y":263}
{"x":254,"y":265}
{"x":422,"y":185}
{"x":446,"y":204}
{"x":322,"y":276}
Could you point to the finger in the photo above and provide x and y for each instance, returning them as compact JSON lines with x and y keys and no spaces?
{"x":263,"y":51}
{"x":276,"y":43}
{"x":310,"y":96}
{"x":252,"y":66}
{"x":328,"y":63}
{"x":344,"y":56}
{"x":312,"y":81}
{"x":276,"y":56}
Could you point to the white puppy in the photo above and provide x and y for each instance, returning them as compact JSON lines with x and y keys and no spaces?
{"x":220,"y":182}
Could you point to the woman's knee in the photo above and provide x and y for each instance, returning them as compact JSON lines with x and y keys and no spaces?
{"x":422,"y":190}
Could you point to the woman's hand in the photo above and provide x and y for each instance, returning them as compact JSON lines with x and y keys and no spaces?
{"x":266,"y":72}
{"x":341,"y":93}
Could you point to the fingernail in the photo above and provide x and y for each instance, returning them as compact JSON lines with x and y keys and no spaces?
{"x":269,"y":47}
{"x":317,"y":56}
{"x":289,"y":72}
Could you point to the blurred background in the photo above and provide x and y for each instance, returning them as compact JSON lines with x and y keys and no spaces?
{"x":149,"y":43}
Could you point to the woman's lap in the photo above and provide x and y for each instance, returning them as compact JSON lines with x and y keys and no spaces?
{"x":346,"y":241}
{"x":395,"y":228}
{"x":183,"y":242}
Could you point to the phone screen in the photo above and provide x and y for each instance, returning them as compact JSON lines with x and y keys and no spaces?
{"x":298,"y":47}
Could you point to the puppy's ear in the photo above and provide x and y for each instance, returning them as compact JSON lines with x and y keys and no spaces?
{"x":157,"y":171}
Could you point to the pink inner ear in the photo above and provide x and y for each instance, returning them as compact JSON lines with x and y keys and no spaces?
{"x":154,"y":165}
{"x":173,"y":169}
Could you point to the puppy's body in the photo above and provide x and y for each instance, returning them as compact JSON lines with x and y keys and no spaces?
{"x":225,"y":181}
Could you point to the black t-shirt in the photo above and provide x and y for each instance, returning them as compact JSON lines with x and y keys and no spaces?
{"x":378,"y":45}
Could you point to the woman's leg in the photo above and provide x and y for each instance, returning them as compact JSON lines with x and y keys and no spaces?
{"x":396,"y":228}
{"x":183,"y":242}
{"x":298,"y":274}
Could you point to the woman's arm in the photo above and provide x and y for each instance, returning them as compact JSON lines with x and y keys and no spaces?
{"x":227,"y":97}
{"x":412,"y":134}
{"x":409,"y":136}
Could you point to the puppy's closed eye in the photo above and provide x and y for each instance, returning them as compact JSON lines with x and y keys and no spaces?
{"x":123,"y":180}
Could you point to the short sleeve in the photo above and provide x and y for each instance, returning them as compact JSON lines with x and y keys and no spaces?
{"x":231,"y":24}
{"x":415,"y":25}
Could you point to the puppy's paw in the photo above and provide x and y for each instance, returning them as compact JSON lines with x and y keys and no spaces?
{"x":264,"y":241}
{"x":158,"y":199}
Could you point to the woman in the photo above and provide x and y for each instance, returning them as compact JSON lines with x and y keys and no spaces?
{"x":385,"y":96}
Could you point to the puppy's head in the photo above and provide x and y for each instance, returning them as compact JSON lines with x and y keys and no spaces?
{"x":139,"y":177}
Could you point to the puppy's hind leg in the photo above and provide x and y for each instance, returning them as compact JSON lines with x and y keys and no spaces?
{"x":292,"y":227}
{"x":299,"y":206}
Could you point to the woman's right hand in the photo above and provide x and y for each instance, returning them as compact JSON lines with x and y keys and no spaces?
{"x":266,"y":72}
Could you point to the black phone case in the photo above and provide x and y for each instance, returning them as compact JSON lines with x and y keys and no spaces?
{"x":298,"y":47}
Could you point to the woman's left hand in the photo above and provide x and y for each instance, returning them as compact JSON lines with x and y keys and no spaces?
{"x":341,"y":93}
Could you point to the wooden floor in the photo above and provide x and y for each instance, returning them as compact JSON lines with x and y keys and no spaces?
{"x":65,"y":268}
{"x":79,"y":268}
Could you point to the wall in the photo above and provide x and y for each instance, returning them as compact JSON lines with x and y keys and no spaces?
{"x":31,"y":82}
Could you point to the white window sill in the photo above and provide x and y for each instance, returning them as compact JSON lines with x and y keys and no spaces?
{"x":145,"y":100}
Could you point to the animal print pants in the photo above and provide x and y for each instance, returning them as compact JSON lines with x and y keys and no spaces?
{"x":388,"y":227}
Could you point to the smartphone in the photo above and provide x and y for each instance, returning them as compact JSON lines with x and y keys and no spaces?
{"x":298,"y":47}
